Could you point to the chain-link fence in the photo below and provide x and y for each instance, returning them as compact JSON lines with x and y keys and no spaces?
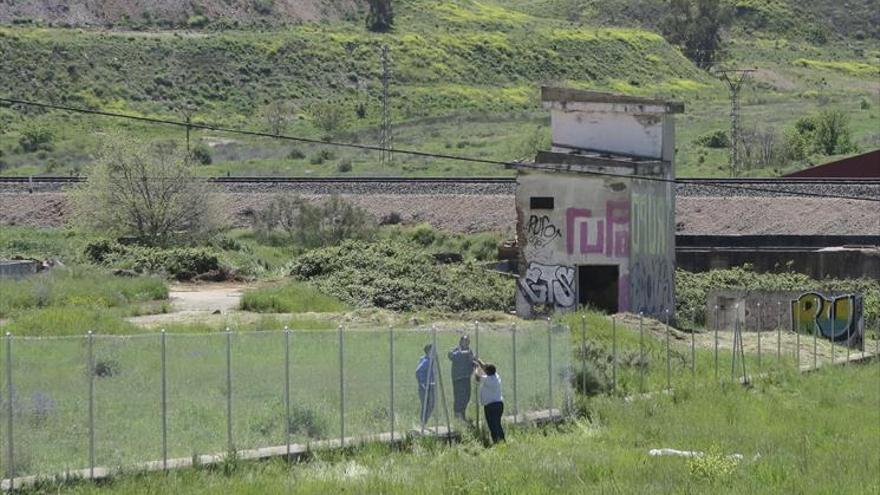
{"x":96,"y":404}
{"x":630,"y":354}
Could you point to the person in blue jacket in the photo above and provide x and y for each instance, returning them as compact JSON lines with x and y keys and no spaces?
{"x":427,"y":384}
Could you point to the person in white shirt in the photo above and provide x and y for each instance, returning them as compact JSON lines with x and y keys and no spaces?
{"x":490,"y":398}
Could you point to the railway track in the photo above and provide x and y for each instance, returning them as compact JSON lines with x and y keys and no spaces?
{"x":853,"y":188}
{"x":456,"y":180}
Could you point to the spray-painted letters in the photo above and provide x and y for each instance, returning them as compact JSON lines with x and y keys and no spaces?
{"x":653,"y":289}
{"x":837,"y":318}
{"x":541,"y":232}
{"x":548,"y":284}
{"x":608,"y":236}
{"x":652,"y":226}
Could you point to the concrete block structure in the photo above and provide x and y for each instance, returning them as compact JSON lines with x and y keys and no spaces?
{"x":596,"y":213}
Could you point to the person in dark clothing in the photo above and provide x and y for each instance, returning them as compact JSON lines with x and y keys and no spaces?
{"x":491,"y":399}
{"x":462,"y":358}
{"x":425,"y":379}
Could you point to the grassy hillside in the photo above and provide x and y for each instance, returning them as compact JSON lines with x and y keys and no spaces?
{"x":465,"y":81}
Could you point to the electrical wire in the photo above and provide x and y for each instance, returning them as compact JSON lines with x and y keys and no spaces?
{"x":410,"y":152}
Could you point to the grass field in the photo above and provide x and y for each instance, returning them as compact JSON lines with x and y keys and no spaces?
{"x":51,"y":401}
{"x":796,"y":434}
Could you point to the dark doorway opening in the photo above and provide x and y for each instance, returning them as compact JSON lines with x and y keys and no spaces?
{"x":597,"y":287}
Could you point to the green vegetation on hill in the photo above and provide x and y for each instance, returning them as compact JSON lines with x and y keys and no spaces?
{"x":465,"y":79}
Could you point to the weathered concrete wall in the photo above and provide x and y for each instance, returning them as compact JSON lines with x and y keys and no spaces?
{"x":652,"y":255}
{"x":817,"y":264}
{"x":588,"y":225}
{"x":602,"y":129}
{"x":17,"y":269}
{"x":768,"y":310}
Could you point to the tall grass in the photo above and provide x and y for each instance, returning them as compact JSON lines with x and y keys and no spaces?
{"x":292,"y":297}
{"x":813,"y":434}
{"x":77,"y":286}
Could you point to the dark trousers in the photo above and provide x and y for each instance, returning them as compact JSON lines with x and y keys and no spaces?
{"x":461,"y":390}
{"x":494,"y":411}
{"x":426,"y":403}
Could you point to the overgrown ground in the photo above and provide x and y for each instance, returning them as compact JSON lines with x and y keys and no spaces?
{"x":811,"y":434}
{"x":465,"y":81}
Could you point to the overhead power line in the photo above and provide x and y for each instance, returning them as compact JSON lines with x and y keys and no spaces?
{"x":401,"y":151}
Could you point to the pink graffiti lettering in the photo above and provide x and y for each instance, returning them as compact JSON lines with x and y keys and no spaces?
{"x":608,"y":236}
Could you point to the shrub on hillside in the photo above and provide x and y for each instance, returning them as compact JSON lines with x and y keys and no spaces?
{"x":181,"y":263}
{"x":401,"y":276}
{"x":714,"y":139}
{"x":313,"y":225}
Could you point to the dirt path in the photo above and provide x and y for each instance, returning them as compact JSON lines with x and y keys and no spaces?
{"x":196,"y":302}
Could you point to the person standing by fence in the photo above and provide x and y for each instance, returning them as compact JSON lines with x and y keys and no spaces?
{"x":425,"y":378}
{"x":462,"y":358}
{"x":491,"y":399}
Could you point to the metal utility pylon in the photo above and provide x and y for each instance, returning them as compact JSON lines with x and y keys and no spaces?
{"x":385,"y":138}
{"x":735,"y":78}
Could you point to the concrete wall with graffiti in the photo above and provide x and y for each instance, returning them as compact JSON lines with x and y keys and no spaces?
{"x":652,"y":248}
{"x":589,"y":224}
{"x":839,"y":318}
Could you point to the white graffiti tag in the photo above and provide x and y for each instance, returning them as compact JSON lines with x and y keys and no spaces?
{"x":548,"y":284}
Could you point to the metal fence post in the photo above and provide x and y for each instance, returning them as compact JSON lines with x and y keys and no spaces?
{"x":10,"y":443}
{"x":717,"y":324}
{"x":584,"y":355}
{"x":778,"y":331}
{"x":613,"y":354}
{"x":341,"y":388}
{"x":515,"y":399}
{"x":668,"y":361}
{"x":229,"y":389}
{"x":642,"y":364}
{"x":760,"y":330}
{"x":832,"y":313}
{"x":550,"y":364}
{"x":432,"y":376}
{"x":391,"y":376}
{"x":815,"y":346}
{"x":476,"y":389}
{"x":164,"y":385}
{"x":287,"y":391}
{"x":736,"y":337}
{"x":91,"y":371}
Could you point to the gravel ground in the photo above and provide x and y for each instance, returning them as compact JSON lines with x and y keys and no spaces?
{"x":731,"y":215}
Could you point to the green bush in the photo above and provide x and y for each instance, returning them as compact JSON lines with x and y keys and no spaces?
{"x":401,"y":276}
{"x":314,"y":225}
{"x":201,"y":154}
{"x":714,"y":139}
{"x":181,"y":263}
{"x":693,"y":288}
{"x":35,"y":138}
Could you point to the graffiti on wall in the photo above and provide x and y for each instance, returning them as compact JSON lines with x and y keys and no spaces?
{"x":608,"y":236}
{"x":653,"y":290}
{"x":651,"y":229}
{"x":548,"y":284}
{"x":540,"y":231}
{"x":836,"y":318}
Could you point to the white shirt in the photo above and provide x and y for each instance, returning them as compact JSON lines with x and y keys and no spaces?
{"x":490,"y":390}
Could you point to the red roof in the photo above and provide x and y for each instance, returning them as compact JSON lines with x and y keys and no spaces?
{"x":860,"y":166}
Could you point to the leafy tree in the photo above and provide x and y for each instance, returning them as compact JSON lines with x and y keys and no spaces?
{"x":35,"y":138}
{"x":147,"y":191}
{"x":278,"y":115}
{"x":832,"y":134}
{"x":327,"y":116}
{"x":380,"y":18}
{"x":314,"y":225}
{"x":696,"y":26}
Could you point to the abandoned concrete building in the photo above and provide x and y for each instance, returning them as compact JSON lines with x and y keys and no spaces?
{"x":586,"y":234}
